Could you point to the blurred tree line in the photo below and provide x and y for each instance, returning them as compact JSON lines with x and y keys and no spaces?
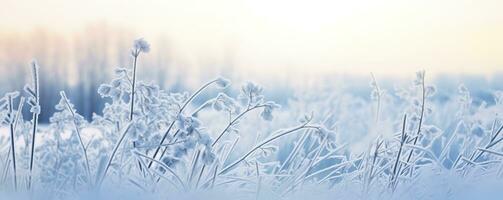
{"x":79,"y":63}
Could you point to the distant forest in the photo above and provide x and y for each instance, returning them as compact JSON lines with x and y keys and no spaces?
{"x":79,"y":64}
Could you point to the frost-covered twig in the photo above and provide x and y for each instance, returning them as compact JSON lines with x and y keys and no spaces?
{"x":490,"y":151}
{"x":77,"y":131}
{"x":12,"y":122}
{"x":139,"y":46}
{"x":233,"y":121}
{"x":370,"y":175}
{"x":34,"y":101}
{"x":231,"y":166}
{"x":421,"y":116}
{"x":334,"y":169}
{"x":193,"y":166}
{"x":305,"y":174}
{"x":492,"y":142}
{"x":230,"y":124}
{"x":394,"y":173}
{"x":114,"y":151}
{"x":295,"y":150}
{"x":377,"y":95}
{"x":16,"y":122}
{"x":163,"y":166}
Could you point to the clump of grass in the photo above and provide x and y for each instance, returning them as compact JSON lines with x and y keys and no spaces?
{"x":12,"y":120}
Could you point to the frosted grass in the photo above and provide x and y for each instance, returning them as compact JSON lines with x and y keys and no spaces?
{"x":148,"y":143}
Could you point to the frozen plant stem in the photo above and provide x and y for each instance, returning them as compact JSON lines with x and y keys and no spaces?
{"x":116,"y":147}
{"x":267,"y":141}
{"x":481,"y":151}
{"x":138,"y":48}
{"x":403,"y":138}
{"x":234,"y":121}
{"x":258,"y":180}
{"x":295,"y":150}
{"x":194,"y":164}
{"x":291,"y":157}
{"x":374,"y":159}
{"x":304,"y":175}
{"x":6,"y":167}
{"x":135,"y":54}
{"x":32,"y":155}
{"x":200,"y":175}
{"x":214,"y":176}
{"x":224,"y":131}
{"x":77,"y":130}
{"x":12,"y":141}
{"x":12,"y":146}
{"x":7,"y":161}
{"x":423,"y":97}
{"x":378,"y":90}
{"x":35,"y":103}
{"x":165,"y":167}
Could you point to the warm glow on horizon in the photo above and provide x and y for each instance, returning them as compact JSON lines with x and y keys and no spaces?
{"x":387,"y":37}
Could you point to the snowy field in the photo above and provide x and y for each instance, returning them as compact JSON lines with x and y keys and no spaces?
{"x":230,"y":141}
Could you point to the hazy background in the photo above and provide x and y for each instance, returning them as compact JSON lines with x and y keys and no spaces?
{"x":283,"y":44}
